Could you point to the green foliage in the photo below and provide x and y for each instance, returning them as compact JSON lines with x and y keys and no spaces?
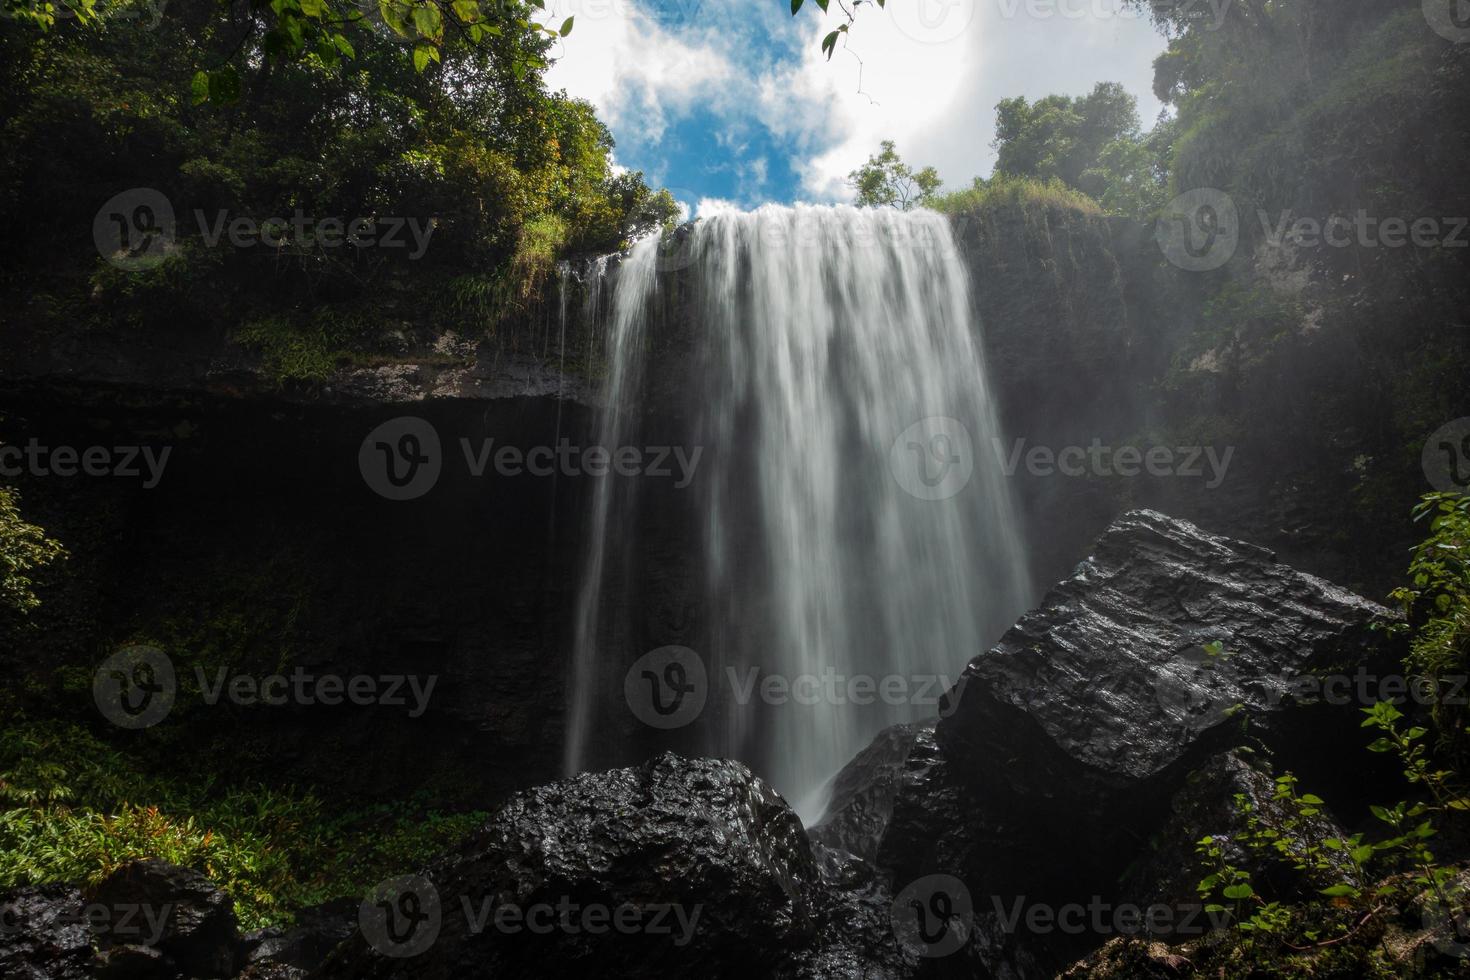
{"x":506,"y":174}
{"x":1405,"y":867}
{"x":1092,"y":144}
{"x":1004,"y":191}
{"x":24,"y":548}
{"x":1437,"y":598}
{"x":306,"y":354}
{"x":1292,"y":838}
{"x":849,"y":10}
{"x":886,"y":181}
{"x":320,"y":32}
{"x":74,"y":808}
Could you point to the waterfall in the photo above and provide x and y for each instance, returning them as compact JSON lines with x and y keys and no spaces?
{"x":857,"y":526}
{"x":624,"y":351}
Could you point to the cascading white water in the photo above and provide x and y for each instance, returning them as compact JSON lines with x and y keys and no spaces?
{"x":624,"y":352}
{"x":858,"y":528}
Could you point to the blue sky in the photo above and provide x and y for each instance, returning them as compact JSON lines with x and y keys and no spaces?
{"x":730,"y":102}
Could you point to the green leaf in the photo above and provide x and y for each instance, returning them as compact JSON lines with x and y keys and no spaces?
{"x":1361,"y":854}
{"x":1312,"y":799}
{"x":829,"y":44}
{"x":1340,"y":891}
{"x":199,"y":87}
{"x":1238,"y":892}
{"x":393,"y":14}
{"x":795,"y":6}
{"x":422,"y":55}
{"x":428,"y":20}
{"x":566,"y":26}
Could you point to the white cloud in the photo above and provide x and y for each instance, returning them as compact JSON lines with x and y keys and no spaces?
{"x":931,"y":73}
{"x":934,"y":92}
{"x":635,"y":72}
{"x":708,"y":207}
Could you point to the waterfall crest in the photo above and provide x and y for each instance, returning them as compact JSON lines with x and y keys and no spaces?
{"x":856,"y":527}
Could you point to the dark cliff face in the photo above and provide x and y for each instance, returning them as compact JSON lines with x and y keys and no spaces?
{"x":1099,"y":348}
{"x":263,"y":550}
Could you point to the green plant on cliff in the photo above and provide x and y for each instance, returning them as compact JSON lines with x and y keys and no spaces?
{"x":1437,"y":597}
{"x":24,"y":548}
{"x":1404,"y":867}
{"x":467,"y":164}
{"x":1015,"y":192}
{"x":73,"y":808}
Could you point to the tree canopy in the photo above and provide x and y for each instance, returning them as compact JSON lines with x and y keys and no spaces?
{"x":886,"y":181}
{"x":267,"y":111}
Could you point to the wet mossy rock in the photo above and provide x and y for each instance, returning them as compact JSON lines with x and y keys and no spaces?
{"x":1060,"y":750}
{"x":1153,"y":655}
{"x":718,"y":867}
{"x":148,"y":920}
